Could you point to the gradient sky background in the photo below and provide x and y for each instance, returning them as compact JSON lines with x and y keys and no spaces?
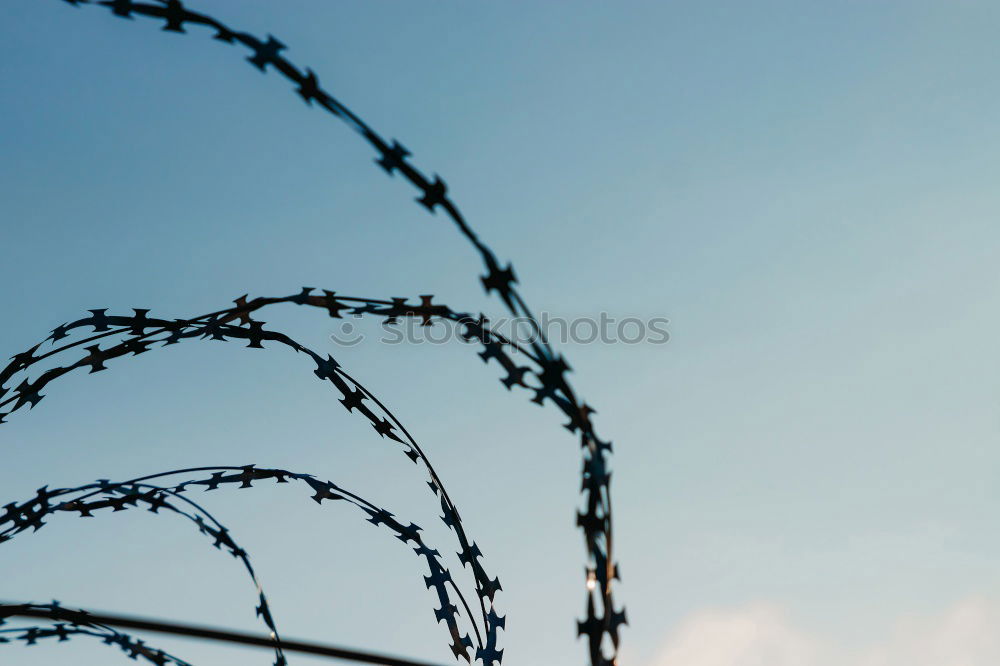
{"x":805,"y":475}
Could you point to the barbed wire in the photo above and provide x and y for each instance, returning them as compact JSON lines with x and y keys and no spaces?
{"x":121,"y":496}
{"x":45,"y":613}
{"x":602,"y":622}
{"x":90,"y":498}
{"x":71,"y":623}
{"x":141,"y":332}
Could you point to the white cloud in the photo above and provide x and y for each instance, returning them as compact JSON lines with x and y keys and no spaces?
{"x":968,"y":634}
{"x":755,"y":636}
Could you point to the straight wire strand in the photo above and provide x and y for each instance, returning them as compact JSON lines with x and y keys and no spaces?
{"x":241,"y":638}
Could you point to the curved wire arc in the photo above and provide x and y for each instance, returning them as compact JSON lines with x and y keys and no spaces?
{"x":212,"y":326}
{"x":120,"y":496}
{"x":595,"y":520}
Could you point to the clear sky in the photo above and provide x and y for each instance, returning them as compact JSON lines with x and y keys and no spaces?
{"x":806,"y":474}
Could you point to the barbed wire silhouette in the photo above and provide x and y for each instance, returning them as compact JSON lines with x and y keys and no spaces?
{"x":72,"y":623}
{"x":140,"y":332}
{"x":544,"y":374}
{"x":91,"y":498}
{"x":76,"y":617}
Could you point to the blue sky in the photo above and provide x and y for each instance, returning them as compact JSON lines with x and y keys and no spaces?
{"x":806,"y":472}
